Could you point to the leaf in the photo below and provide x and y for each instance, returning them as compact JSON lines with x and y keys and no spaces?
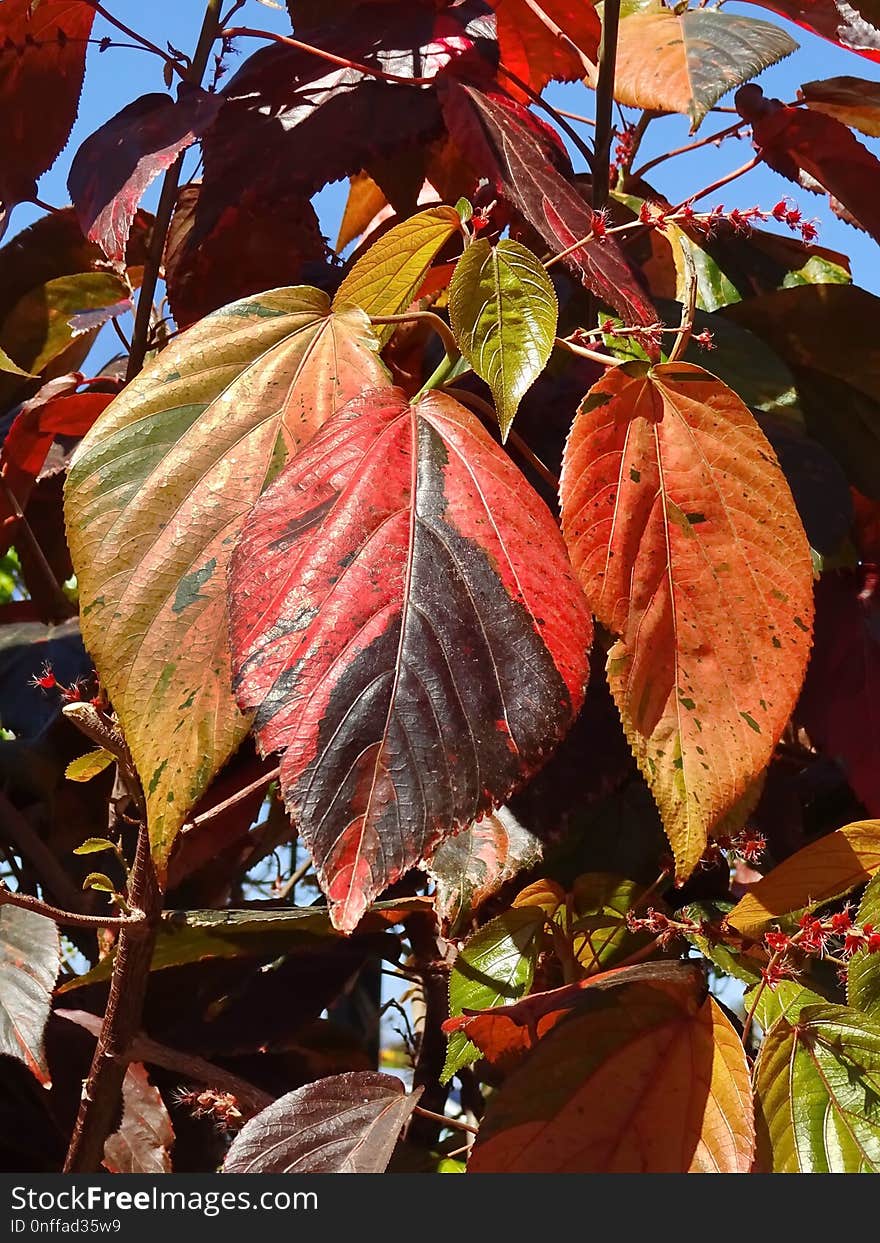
{"x":30,"y":959}
{"x":503,"y":311}
{"x":685,"y":61}
{"x":345,"y":1124}
{"x":145,"y":1135}
{"x":863,"y":972}
{"x":850,"y":26}
{"x":639,"y":1084}
{"x":115,"y":165}
{"x":495,"y":965}
{"x":828,"y":335}
{"x":853,"y":101}
{"x":97,"y":880}
{"x":42,"y":60}
{"x":744,"y":963}
{"x":93,"y":845}
{"x":600,"y":901}
{"x":817,"y":1083}
{"x":403,"y":713}
{"x":504,"y":1034}
{"x":84,"y":768}
{"x":784,"y":1000}
{"x":541,"y":51}
{"x":684,"y":535}
{"x":54,"y":410}
{"x":263,"y":242}
{"x":6,"y":364}
{"x":838,"y":706}
{"x":504,"y":146}
{"x":824,"y":870}
{"x":472,"y":866}
{"x":385,"y":280}
{"x":195,"y":936}
{"x":365,"y":201}
{"x":37,"y":330}
{"x":187,"y":448}
{"x":815,"y":151}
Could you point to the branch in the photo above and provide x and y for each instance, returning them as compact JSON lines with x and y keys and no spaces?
{"x":99,"y":1106}
{"x":429,"y":965}
{"x":557,"y":116}
{"x":134,"y":922}
{"x":132,"y":34}
{"x":442,"y":329}
{"x":718,"y":137}
{"x":167,"y":199}
{"x":604,"y":101}
{"x":248,"y":32}
{"x":569,"y":44}
{"x":716,"y":185}
{"x":219,"y":808}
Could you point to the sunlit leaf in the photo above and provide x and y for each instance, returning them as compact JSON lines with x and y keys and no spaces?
{"x":826,"y":869}
{"x":863,"y":972}
{"x":503,"y":310}
{"x":156,"y":496}
{"x":644,"y":1082}
{"x":685,"y":537}
{"x":370,"y":681}
{"x":854,"y":101}
{"x":817,"y":1087}
{"x":494,"y":966}
{"x":385,"y":280}
{"x":143,"y":1141}
{"x":540,"y":43}
{"x":685,"y":61}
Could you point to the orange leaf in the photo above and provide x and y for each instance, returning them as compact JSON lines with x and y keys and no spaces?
{"x":543,"y":41}
{"x":685,"y":537}
{"x":822,"y":871}
{"x":643,"y":1083}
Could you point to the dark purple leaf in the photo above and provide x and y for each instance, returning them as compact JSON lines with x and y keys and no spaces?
{"x":114,"y":166}
{"x":346,"y":1124}
{"x":30,"y":956}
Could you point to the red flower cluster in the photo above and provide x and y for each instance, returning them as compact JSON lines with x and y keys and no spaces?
{"x":209,"y":1103}
{"x":76,"y":692}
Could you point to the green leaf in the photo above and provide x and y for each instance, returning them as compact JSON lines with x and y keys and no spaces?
{"x":97,"y":880}
{"x":745,"y":965}
{"x":385,"y":280}
{"x":155,"y":501}
{"x":817,"y":1087}
{"x":784,"y":1001}
{"x":192,"y":936}
{"x":863,"y":975}
{"x":87,"y":766}
{"x":11,"y":368}
{"x":600,"y":935}
{"x":503,"y":310}
{"x":495,"y":966}
{"x":94,"y":846}
{"x":37,"y":330}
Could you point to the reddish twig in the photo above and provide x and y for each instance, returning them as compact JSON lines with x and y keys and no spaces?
{"x":249,"y":32}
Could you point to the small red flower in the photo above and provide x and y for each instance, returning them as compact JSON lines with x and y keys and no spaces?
{"x":45,"y":680}
{"x":599,"y":224}
{"x":776,"y":941}
{"x":841,"y":922}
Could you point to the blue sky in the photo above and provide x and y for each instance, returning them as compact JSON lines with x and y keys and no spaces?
{"x":116,"y":77}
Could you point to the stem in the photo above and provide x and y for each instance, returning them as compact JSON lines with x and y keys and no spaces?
{"x":567,"y":43}
{"x":68,"y":918}
{"x":604,"y":359}
{"x":442,"y":329}
{"x":266,"y":779}
{"x":61,"y":608}
{"x":576,"y":116}
{"x":167,"y":199}
{"x":604,"y":103}
{"x":729,"y":132}
{"x":293,"y":880}
{"x":248,"y":32}
{"x":428,"y":965}
{"x":450,"y":1122}
{"x":557,"y":116}
{"x":102,"y":1092}
{"x":133,"y":34}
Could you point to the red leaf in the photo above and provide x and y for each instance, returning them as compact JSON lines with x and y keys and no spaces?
{"x":840,"y":703}
{"x":42,"y":60}
{"x":36,"y":425}
{"x":813,"y":149}
{"x":113,"y":167}
{"x":505,"y":148}
{"x":835,"y":20}
{"x":530,"y":48}
{"x":504,"y":1033}
{"x":401,"y":705}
